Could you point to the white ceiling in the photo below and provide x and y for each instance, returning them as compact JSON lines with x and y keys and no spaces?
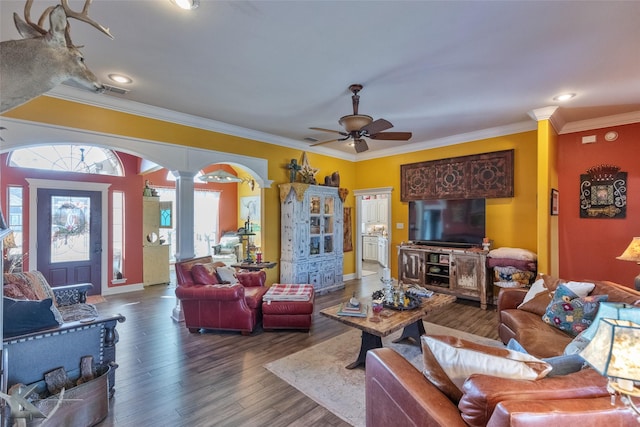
{"x":446,"y":71}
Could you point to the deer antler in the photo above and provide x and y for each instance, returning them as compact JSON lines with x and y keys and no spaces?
{"x":27,"y":17}
{"x":84,"y":16}
{"x":81,"y":16}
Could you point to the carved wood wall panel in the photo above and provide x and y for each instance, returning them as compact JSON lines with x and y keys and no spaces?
{"x":488,"y":175}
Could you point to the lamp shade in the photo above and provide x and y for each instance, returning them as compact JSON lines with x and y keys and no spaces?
{"x":632,"y":253}
{"x":614,"y":351}
{"x":612,"y":310}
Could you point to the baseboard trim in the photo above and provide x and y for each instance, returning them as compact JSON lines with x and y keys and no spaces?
{"x":123,"y":289}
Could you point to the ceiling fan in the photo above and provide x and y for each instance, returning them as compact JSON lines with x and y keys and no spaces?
{"x":358,"y":126}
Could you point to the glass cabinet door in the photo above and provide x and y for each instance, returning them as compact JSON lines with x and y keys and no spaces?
{"x":321,"y":224}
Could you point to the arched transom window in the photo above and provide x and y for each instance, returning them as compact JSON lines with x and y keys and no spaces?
{"x":68,"y":158}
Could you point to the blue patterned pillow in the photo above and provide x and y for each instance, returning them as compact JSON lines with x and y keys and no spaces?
{"x":571,"y":313}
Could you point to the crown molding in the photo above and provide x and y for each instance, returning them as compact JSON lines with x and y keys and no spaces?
{"x":510,"y":129}
{"x":602,"y":122}
{"x":82,"y":96}
{"x":550,"y":113}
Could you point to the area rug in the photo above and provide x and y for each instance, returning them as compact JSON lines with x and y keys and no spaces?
{"x":319,"y":371}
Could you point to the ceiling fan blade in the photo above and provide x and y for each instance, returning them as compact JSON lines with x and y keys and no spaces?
{"x":392,"y":136}
{"x":330,"y":130}
{"x":376,"y":126}
{"x":360,"y":145}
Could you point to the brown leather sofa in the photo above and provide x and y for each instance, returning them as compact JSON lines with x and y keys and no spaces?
{"x":537,"y":337}
{"x":208,"y":304}
{"x":399,"y":394}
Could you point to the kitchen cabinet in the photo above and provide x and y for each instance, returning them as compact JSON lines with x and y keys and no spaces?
{"x":383,"y":251}
{"x":370,"y":248}
{"x":374,"y":211}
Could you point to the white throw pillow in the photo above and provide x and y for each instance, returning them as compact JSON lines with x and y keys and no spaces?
{"x":227,"y":274}
{"x":513,"y":253}
{"x":537,"y":287}
{"x":460,"y":358}
{"x":582,"y":289}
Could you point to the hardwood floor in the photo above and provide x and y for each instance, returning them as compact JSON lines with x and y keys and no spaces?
{"x":170,"y":377}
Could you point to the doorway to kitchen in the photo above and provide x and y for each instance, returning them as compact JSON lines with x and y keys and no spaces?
{"x":373,"y":231}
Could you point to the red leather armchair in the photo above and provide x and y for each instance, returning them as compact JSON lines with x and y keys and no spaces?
{"x":209,"y":304}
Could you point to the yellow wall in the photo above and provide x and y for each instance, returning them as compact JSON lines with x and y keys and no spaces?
{"x":510,"y":221}
{"x":547,"y":179}
{"x":69,"y":114}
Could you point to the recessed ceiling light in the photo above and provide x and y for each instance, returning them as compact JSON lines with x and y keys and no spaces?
{"x":186,"y":4}
{"x":564,"y":97}
{"x":119,"y":78}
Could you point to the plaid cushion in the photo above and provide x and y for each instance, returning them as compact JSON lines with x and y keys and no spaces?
{"x":288,"y":292}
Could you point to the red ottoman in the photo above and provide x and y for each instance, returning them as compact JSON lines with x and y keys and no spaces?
{"x":288,"y":307}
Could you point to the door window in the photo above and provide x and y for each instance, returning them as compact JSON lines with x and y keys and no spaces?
{"x":70,"y":217}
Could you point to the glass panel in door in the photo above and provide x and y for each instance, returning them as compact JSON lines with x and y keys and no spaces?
{"x":70,"y":217}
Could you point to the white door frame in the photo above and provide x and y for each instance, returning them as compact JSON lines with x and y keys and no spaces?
{"x":370,"y":192}
{"x":36,"y":184}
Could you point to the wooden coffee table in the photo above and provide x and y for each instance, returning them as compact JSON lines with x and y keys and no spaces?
{"x":373,"y":332}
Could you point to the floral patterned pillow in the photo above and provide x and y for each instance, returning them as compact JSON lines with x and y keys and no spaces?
{"x":571,"y":313}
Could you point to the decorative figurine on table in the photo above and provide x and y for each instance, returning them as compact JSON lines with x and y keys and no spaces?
{"x":486,"y":244}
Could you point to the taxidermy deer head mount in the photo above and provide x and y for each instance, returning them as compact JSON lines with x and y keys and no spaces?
{"x":43,"y":59}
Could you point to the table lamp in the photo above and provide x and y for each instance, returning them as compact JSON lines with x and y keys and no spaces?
{"x":632,"y":253}
{"x":614,"y":352}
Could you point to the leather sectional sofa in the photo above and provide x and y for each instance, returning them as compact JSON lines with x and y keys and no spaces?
{"x":399,"y":394}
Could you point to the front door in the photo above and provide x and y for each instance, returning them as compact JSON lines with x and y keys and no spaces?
{"x":69,"y":237}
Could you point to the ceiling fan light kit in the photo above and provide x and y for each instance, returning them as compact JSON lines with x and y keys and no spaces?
{"x":360,"y":126}
{"x":354,"y":123}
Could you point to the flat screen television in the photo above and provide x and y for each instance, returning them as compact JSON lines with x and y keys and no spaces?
{"x":447,"y":222}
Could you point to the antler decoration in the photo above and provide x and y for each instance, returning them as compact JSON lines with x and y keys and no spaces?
{"x":84,"y":16}
{"x":81,"y":16}
{"x":44,"y":58}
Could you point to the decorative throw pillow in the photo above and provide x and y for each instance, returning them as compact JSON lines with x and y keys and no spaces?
{"x":577,"y":344}
{"x":33,"y":285}
{"x":437,"y":376}
{"x":560,"y":365}
{"x":205,"y":274}
{"x":12,"y":290}
{"x":541,"y":293}
{"x":24,"y":316}
{"x":227,"y":274}
{"x":571,"y":313}
{"x":460,"y":358}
